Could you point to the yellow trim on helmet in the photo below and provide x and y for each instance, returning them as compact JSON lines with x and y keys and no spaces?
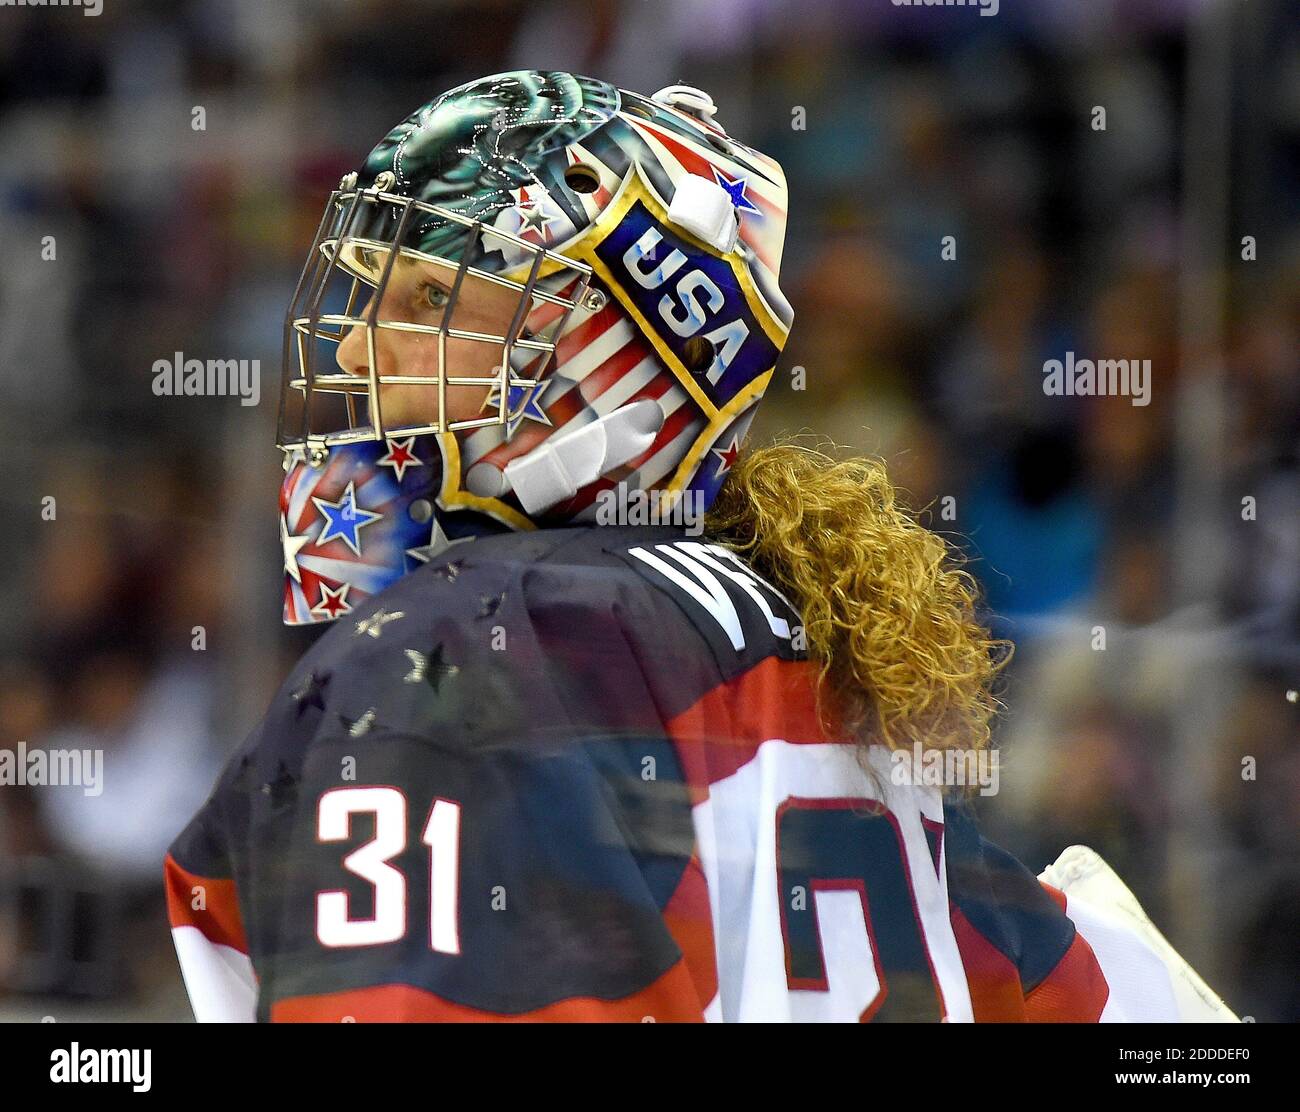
{"x":709,"y":434}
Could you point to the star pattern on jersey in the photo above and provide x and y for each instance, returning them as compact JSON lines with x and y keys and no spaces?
{"x":419,"y":666}
{"x":310,"y":693}
{"x":283,"y":790}
{"x":735,"y":188}
{"x":356,"y":727}
{"x":515,"y":413}
{"x":374,"y":625}
{"x":401,"y":455}
{"x":431,"y":668}
{"x":490,"y":604}
{"x":343,"y":519}
{"x":292,"y":546}
{"x":333,"y":603}
{"x":726,"y":456}
{"x":449,"y":570}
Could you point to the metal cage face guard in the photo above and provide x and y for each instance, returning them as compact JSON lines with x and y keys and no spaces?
{"x":362,"y":237}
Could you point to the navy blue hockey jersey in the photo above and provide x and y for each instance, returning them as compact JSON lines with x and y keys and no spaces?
{"x":578,"y":774}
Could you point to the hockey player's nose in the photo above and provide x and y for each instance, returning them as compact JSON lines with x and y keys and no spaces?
{"x":353,"y":355}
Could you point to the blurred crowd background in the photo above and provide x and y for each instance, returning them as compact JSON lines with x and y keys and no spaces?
{"x":1171,"y":530}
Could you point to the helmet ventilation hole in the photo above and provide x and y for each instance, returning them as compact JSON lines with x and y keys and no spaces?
{"x":581,"y":178}
{"x":697,"y":354}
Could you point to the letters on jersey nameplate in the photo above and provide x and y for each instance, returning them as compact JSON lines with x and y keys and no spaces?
{"x":719,"y":592}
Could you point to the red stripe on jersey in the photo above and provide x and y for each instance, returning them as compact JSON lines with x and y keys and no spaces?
{"x":930,"y":826}
{"x":721,"y":731}
{"x":669,"y":999}
{"x":218,"y":919}
{"x":996,"y":995}
{"x":1074,"y":992}
{"x":690,"y":921}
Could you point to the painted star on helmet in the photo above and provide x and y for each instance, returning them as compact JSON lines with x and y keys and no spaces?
{"x":401,"y":455}
{"x":343,"y":519}
{"x":333,"y":603}
{"x":735,"y":187}
{"x":726,"y":456}
{"x":439,"y":542}
{"x":533,"y":216}
{"x":515,"y":414}
{"x":292,"y":546}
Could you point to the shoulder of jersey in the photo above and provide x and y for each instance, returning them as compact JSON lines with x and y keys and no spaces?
{"x":583,"y":570}
{"x":656,"y":581}
{"x":533,"y":631}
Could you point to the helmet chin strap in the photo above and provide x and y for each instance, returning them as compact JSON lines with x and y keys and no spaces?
{"x":558,"y":468}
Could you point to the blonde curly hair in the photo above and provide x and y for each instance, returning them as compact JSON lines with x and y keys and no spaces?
{"x":886,"y":609}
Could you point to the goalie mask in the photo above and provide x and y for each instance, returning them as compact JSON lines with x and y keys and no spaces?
{"x":538,"y":297}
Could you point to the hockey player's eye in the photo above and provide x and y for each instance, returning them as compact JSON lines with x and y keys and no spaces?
{"x":433,"y":296}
